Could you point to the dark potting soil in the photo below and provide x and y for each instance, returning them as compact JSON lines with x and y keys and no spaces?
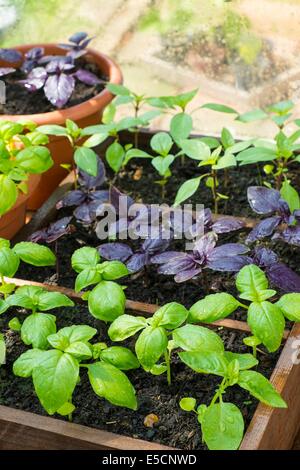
{"x":174,"y":428}
{"x":20,"y":101}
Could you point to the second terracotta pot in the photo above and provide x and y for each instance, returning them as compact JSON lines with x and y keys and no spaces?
{"x":85,"y":114}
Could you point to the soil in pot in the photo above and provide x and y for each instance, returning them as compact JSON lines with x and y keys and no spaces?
{"x":20,"y":101}
{"x":175,"y":427}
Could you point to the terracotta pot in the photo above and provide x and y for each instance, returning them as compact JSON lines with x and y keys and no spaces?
{"x":85,"y":114}
{"x":14,"y":220}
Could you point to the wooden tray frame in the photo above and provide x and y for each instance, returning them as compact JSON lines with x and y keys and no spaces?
{"x":270,"y":428}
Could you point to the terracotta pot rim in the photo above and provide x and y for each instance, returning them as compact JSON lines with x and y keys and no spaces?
{"x":78,"y":111}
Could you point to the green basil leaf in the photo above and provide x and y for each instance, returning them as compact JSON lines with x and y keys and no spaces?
{"x":80,"y":350}
{"x":114,"y":155}
{"x":107,"y":301}
{"x":4,"y":305}
{"x":227,"y":138}
{"x":2,"y":349}
{"x":162,"y":164}
{"x":112,"y":384}
{"x":197,"y":338}
{"x":112,"y":270}
{"x":8,"y":194}
{"x":195,"y":149}
{"x":251,"y":280}
{"x":53,"y":129}
{"x":35,"y":159}
{"x":66,"y":409}
{"x":256,"y":155}
{"x":9,"y":262}
{"x":119,"y":90}
{"x":186,"y":190}
{"x":187,"y":404}
{"x":4,"y":243}
{"x":85,"y":257}
{"x":71,"y":334}
{"x":183,"y":99}
{"x":25,"y":363}
{"x":208,"y":362}
{"x":87,"y":160}
{"x":225,"y":162}
{"x":135,"y":153}
{"x":181,"y":126}
{"x":290,"y":195}
{"x":55,"y":379}
{"x":26,"y":297}
{"x":221,"y":108}
{"x":125,"y":326}
{"x":213,"y":307}
{"x":246,"y":361}
{"x":254,"y":115}
{"x":267,"y":323}
{"x":36,"y":328}
{"x":289,"y":304}
{"x":261,"y":388}
{"x":222,"y":426}
{"x":35,"y":254}
{"x":150,"y":345}
{"x":170,"y":316}
{"x":50,"y":300}
{"x":86,"y":278}
{"x":161,"y":143}
{"x":120,"y":357}
{"x":95,"y":140}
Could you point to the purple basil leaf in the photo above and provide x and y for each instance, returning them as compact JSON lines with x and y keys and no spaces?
{"x":100,"y":196}
{"x":117,"y":198}
{"x":289,"y":235}
{"x":85,"y":43}
{"x":264,"y":257}
{"x":187,"y":275}
{"x":153,"y":245}
{"x":59,"y":88}
{"x":115,"y":251}
{"x":10,"y":55}
{"x":90,"y":182}
{"x":283,"y":277}
{"x":205,"y":245}
{"x":87,"y":77}
{"x":72,"y":198}
{"x":35,"y":79}
{"x":183,"y":262}
{"x":296,"y":214}
{"x":228,"y":249}
{"x":35,"y":53}
{"x":87,"y":212}
{"x":6,"y":70}
{"x":226,"y":225}
{"x":165,"y":257}
{"x":76,"y":53}
{"x":263,"y":200}
{"x":229,"y":263}
{"x":54,"y":231}
{"x":137,"y":262}
{"x":78,"y":37}
{"x":263,"y":229}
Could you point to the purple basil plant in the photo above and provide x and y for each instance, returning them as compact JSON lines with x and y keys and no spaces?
{"x":77,"y":45}
{"x":279,"y":275}
{"x":55,"y":74}
{"x":230,"y":257}
{"x":281,"y":224}
{"x":89,"y":197}
{"x":54,"y":231}
{"x":138,"y":260}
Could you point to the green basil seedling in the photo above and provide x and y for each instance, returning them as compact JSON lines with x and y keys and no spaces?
{"x":21,"y":153}
{"x":218,"y":156}
{"x":10,"y":258}
{"x":56,"y":372}
{"x":107,"y":300}
{"x":222,"y":423}
{"x":265,"y":318}
{"x":38,"y":326}
{"x":153,"y":341}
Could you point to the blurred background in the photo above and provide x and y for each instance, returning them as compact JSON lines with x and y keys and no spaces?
{"x":243,"y":53}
